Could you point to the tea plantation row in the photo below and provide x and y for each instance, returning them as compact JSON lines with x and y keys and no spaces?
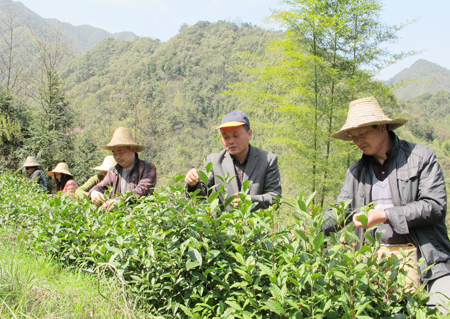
{"x":183,"y":258}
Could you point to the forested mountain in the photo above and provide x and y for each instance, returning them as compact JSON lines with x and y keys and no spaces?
{"x":422,"y":77}
{"x":61,"y":106}
{"x":82,"y":38}
{"x":169,"y":94}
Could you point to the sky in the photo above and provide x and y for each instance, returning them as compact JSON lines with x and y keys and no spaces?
{"x":162,"y":18}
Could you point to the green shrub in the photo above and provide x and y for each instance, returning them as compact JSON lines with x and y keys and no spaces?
{"x":185,"y":259}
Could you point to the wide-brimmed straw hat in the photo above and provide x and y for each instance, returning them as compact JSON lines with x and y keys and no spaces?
{"x":366,"y":112}
{"x":60,"y":168}
{"x":108,"y":162}
{"x":123,"y":137}
{"x":31,"y":161}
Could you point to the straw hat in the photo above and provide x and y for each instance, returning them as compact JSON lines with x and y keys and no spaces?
{"x":31,"y":161}
{"x":60,"y":168}
{"x":108,"y":162}
{"x":123,"y":137}
{"x":366,"y":112}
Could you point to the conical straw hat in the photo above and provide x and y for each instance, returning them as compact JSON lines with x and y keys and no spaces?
{"x":123,"y":137}
{"x":31,"y":161}
{"x":108,"y":162}
{"x":60,"y":168}
{"x":366,"y":112}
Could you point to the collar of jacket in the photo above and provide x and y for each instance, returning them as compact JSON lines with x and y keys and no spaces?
{"x":365,"y":159}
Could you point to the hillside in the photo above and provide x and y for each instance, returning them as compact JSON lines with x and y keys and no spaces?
{"x":169,"y":93}
{"x":83,"y":38}
{"x":422,"y":77}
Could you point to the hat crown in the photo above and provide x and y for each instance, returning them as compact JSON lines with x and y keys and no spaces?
{"x":30,"y":161}
{"x":108,"y":162}
{"x":60,"y":168}
{"x":365,"y":110}
{"x":235,"y":118}
{"x":122,"y":136}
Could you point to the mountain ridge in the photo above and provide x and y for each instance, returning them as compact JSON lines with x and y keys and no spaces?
{"x":83,"y":37}
{"x":421,"y":77}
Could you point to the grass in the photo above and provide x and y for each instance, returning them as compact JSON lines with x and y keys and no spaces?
{"x":34,"y":286}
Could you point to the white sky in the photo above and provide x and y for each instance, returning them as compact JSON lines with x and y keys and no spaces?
{"x":162,"y":18}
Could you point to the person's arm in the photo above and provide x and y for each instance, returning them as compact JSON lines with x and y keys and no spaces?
{"x":200,"y":185}
{"x":272,"y":186}
{"x":103,"y":185}
{"x":431,"y":204}
{"x":84,"y":189}
{"x":147,"y":183}
{"x":70,"y":186}
{"x":35,"y":176}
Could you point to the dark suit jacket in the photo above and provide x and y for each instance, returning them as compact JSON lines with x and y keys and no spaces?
{"x":261,"y":170}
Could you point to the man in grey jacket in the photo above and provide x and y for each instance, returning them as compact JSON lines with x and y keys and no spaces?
{"x":407,"y":184}
{"x":242,"y":161}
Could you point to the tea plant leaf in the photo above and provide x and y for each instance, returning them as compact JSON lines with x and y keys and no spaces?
{"x":318,"y":241}
{"x":203,"y":177}
{"x":192,"y":264}
{"x":363,"y":250}
{"x":186,"y":310}
{"x":179,"y":178}
{"x":213,"y":196}
{"x":195,"y":255}
{"x":275,"y":306}
{"x":212,"y":254}
{"x":363,"y":219}
{"x":234,"y":305}
{"x":209,"y":167}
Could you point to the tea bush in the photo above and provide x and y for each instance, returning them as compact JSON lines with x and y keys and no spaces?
{"x":185,"y":259}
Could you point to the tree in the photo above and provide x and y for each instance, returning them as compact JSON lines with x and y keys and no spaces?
{"x":13,"y":130}
{"x":52,"y":119}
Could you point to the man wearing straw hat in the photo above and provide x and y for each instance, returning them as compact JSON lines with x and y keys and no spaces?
{"x":36,"y":175}
{"x":244,"y":162}
{"x":130,"y":173}
{"x":407,"y":184}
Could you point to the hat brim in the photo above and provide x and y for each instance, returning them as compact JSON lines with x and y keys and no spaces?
{"x":101,"y":168}
{"x":344,"y":132}
{"x":31,"y":165}
{"x":231,"y":124}
{"x":52,"y":173}
{"x":139,"y":148}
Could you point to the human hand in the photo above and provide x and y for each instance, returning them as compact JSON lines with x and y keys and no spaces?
{"x":109,"y":204}
{"x":97,"y":198}
{"x":374,"y":217}
{"x":235,"y":202}
{"x":192,"y":177}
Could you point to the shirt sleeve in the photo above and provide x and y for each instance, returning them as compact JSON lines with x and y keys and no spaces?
{"x":272,"y":186}
{"x":70,"y":186}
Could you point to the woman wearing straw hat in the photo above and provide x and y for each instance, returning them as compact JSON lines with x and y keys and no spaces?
{"x":35,"y":174}
{"x":131,"y":174}
{"x":84,"y":189}
{"x":407,"y":184}
{"x":64,"y":180}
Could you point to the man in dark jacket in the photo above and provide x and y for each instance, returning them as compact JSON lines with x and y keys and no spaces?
{"x":243,"y":162}
{"x":406,"y":183}
{"x":130,"y":173}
